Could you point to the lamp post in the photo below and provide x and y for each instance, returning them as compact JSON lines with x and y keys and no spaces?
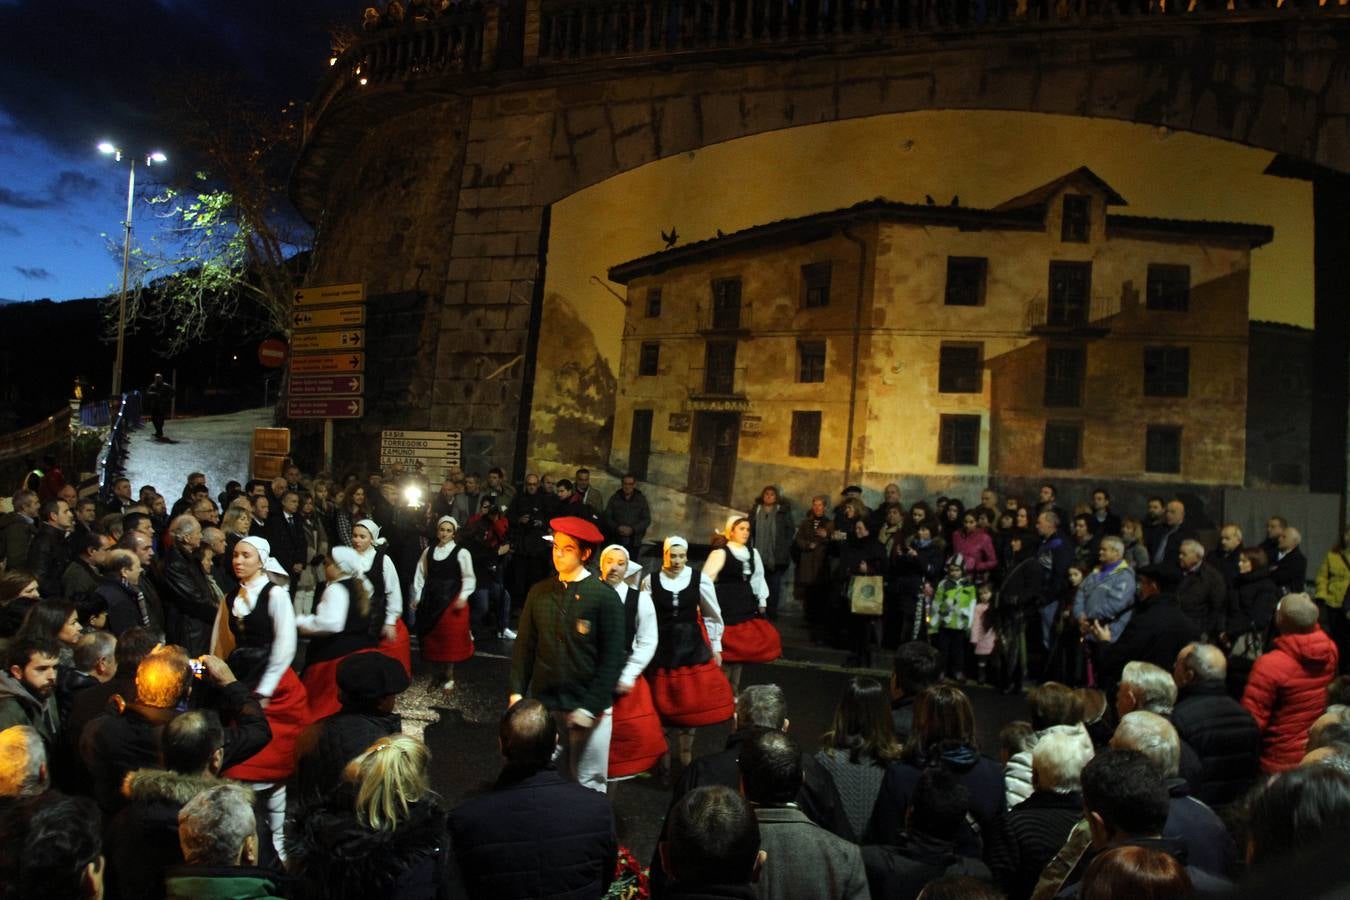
{"x":109,"y":149}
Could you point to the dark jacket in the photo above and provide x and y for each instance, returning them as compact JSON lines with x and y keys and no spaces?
{"x":288,"y":542}
{"x":783,"y":534}
{"x":571,"y":645}
{"x":1224,"y":737}
{"x":79,"y":578}
{"x":1226,"y":563}
{"x":535,"y":834}
{"x":324,"y":748}
{"x":333,"y":856}
{"x":1156,"y":633}
{"x":124,"y":610}
{"x":1171,"y":555}
{"x":70,"y":683}
{"x":141,"y":841}
{"x":899,"y":872}
{"x":1291,"y":573}
{"x":632,"y":512}
{"x":982,"y":777}
{"x":1251,"y":603}
{"x":1028,"y":836}
{"x":1206,"y":884}
{"x":190,"y":606}
{"x":48,"y":556}
{"x":902,"y":718}
{"x":1202,"y":596}
{"x":811,"y":550}
{"x":818,"y":798}
{"x":711,"y":892}
{"x":115,"y":744}
{"x":16,"y":533}
{"x":1209,"y":846}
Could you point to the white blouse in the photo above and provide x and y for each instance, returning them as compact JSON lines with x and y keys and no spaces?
{"x":282,"y":613}
{"x":644,"y":642}
{"x":707,"y":599}
{"x":330,"y":614}
{"x":393,"y":592}
{"x":468,"y":583}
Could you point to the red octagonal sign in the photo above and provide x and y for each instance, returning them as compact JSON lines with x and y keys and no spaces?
{"x":272,"y":353}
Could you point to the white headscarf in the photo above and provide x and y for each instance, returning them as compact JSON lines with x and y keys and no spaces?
{"x":674,"y":541}
{"x":450,"y":519}
{"x":260,"y":544}
{"x":369,"y":525}
{"x":347,"y":560}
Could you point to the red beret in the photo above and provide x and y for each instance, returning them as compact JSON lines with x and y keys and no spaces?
{"x":577,"y":527}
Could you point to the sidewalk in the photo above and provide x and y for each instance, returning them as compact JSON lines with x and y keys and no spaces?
{"x":220,"y":446}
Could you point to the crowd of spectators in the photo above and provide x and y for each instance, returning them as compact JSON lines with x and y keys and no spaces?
{"x":1188,"y":728}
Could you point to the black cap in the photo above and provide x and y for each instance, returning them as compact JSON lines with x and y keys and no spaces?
{"x":371,"y":675}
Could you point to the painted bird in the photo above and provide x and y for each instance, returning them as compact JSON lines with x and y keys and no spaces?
{"x":671,"y":237}
{"x":928,"y":198}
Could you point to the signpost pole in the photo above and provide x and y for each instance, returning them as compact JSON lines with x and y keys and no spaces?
{"x":328,"y":445}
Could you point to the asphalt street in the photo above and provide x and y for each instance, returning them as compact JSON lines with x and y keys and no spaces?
{"x":464,"y":740}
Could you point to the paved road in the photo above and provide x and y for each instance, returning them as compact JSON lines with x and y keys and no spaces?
{"x":464,"y":741}
{"x":220,"y":446}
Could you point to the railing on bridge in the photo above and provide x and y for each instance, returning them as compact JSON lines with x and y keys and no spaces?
{"x":34,"y":438}
{"x":475,"y":38}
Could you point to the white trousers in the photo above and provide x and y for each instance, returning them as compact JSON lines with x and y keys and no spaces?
{"x":583,"y":753}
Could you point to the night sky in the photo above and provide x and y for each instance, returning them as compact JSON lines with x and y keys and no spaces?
{"x":79,"y":71}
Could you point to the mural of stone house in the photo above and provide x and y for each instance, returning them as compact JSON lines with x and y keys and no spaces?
{"x":941,"y":347}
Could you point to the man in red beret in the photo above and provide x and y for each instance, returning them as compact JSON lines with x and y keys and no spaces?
{"x":570,"y":649}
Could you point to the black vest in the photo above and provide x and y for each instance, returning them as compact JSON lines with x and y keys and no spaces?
{"x":355,"y":634}
{"x":254,"y":629}
{"x":379,"y":600}
{"x":734,"y":594}
{"x":681,"y":641}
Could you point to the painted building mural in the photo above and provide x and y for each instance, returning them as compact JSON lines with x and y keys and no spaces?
{"x":939,"y":346}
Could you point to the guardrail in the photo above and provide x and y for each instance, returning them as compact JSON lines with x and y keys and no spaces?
{"x":35,"y":438}
{"x":112,"y":459}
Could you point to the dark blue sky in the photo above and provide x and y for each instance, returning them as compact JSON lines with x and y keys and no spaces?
{"x":78,"y":71}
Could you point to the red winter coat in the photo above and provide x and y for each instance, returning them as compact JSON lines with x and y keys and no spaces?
{"x":288,"y":715}
{"x":977,"y":548}
{"x":1287,"y":692}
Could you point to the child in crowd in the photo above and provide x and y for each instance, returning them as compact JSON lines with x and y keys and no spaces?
{"x":953,"y":606}
{"x":92,"y":609}
{"x":1015,"y":737}
{"x":982,"y":634}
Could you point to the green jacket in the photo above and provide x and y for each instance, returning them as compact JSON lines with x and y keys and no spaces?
{"x":953,"y":605}
{"x":570,"y":646}
{"x":211,"y":883}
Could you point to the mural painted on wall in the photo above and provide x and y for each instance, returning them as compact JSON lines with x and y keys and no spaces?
{"x":573,"y":410}
{"x":716,"y":421}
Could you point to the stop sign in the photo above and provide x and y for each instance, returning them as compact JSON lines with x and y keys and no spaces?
{"x":272,"y":353}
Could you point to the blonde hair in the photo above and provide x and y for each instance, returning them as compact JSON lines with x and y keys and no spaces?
{"x":390,"y":776}
{"x":236,"y":520}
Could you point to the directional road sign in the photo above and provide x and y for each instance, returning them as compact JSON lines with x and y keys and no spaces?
{"x":330,"y":294}
{"x":328,"y":317}
{"x":325,"y":407}
{"x":342,"y":339}
{"x":322,"y":363}
{"x":327,"y":385}
{"x":437,"y":451}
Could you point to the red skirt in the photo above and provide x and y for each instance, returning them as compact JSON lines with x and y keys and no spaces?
{"x":450,"y":641}
{"x":400,"y":648}
{"x":692,"y":695}
{"x":320,"y":681}
{"x":752,"y":641}
{"x":638,"y":742}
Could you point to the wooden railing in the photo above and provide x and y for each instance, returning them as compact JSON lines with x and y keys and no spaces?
{"x":37,"y":437}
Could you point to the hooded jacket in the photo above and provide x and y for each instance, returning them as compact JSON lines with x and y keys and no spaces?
{"x":981,"y":776}
{"x":141,"y":841}
{"x":19,"y":707}
{"x":1287,"y":692}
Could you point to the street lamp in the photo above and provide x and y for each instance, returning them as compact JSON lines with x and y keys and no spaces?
{"x":107,"y":148}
